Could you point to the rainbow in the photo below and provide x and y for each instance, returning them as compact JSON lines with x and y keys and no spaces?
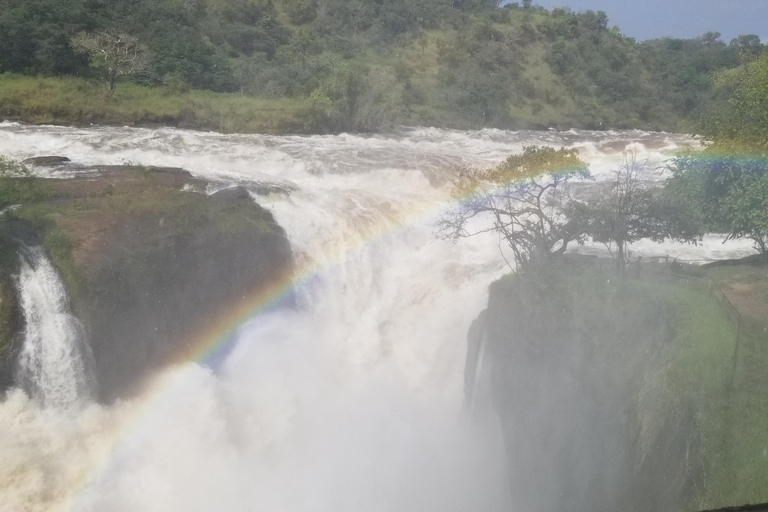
{"x":213,"y":342}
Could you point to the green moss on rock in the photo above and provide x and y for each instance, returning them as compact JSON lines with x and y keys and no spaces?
{"x":148,"y":262}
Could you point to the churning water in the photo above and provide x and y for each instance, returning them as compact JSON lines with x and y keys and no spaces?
{"x":352,"y":403}
{"x":54,"y":351}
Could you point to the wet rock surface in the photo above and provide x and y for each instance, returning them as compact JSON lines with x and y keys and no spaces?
{"x":149,"y":264}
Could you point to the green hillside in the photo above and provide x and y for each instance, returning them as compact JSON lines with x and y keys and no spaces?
{"x":364,"y":65}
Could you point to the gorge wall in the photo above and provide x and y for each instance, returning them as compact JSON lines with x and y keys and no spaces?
{"x":585,"y":377}
{"x":149,"y":261}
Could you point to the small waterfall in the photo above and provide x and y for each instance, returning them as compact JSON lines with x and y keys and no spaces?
{"x":52,"y":360}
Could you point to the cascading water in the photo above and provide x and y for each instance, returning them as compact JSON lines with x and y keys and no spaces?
{"x":52,"y":363}
{"x":352,"y":403}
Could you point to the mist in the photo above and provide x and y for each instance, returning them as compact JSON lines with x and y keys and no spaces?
{"x":354,"y":400}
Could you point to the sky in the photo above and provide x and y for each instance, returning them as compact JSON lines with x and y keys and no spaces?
{"x":649,"y":19}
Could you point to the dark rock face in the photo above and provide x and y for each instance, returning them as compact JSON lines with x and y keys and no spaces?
{"x":150,"y":300}
{"x":44,"y":161}
{"x":9,"y":327}
{"x":567,"y":370}
{"x":11,"y":234}
{"x":231,"y":194}
{"x":150,"y":265}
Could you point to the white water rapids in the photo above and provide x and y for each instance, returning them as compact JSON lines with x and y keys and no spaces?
{"x":353,"y":403}
{"x":54,"y":352}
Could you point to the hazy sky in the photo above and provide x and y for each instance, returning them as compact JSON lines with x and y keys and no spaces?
{"x":648,"y":19}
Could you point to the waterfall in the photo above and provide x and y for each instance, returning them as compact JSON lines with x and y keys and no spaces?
{"x":52,"y":360}
{"x":354,"y":401}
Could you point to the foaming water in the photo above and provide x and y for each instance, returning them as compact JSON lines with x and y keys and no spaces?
{"x":352,"y":403}
{"x":54,"y":352}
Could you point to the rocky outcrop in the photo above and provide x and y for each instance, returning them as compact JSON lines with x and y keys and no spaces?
{"x":46,"y":161}
{"x":150,"y":264}
{"x":572,"y":354}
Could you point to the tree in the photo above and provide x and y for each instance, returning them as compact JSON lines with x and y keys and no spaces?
{"x":118,"y":54}
{"x":743,"y":118}
{"x":625,"y":211}
{"x":710,"y":38}
{"x":727,"y":184}
{"x":749,"y":46}
{"x":523,"y":201}
{"x":727,"y":191}
{"x":333,"y":103}
{"x":301,"y":11}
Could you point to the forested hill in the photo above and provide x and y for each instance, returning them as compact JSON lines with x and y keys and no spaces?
{"x":369,"y":64}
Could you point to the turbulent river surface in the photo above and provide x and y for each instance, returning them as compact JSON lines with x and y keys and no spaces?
{"x":354,"y":401}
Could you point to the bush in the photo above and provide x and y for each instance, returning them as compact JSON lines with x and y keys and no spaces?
{"x":16,"y":183}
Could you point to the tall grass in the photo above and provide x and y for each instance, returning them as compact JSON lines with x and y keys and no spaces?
{"x":68,"y":100}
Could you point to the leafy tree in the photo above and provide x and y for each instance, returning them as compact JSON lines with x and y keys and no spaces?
{"x":116,"y":53}
{"x":334,"y":101}
{"x":303,"y":45}
{"x":180,"y":53}
{"x":749,"y":46}
{"x":35,"y":35}
{"x":711,"y":39}
{"x":746,"y":209}
{"x":743,"y":117}
{"x":381,"y":104}
{"x":726,"y":190}
{"x":301,"y":11}
{"x":523,"y":200}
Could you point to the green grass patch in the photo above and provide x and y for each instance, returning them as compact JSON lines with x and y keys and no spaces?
{"x":739,"y":468}
{"x":76,"y":101}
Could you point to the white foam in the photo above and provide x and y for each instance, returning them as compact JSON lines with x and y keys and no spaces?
{"x":354,"y":402}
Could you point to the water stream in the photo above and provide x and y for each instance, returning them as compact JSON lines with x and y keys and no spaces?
{"x":54,"y":350}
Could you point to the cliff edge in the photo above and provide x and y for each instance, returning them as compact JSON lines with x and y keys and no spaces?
{"x":608,"y":386}
{"x":149,"y":261}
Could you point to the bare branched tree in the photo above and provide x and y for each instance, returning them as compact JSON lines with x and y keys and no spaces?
{"x":118,"y":54}
{"x":627,"y":210}
{"x":522,"y":200}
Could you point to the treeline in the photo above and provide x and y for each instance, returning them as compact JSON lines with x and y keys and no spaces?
{"x":369,"y":64}
{"x":726,"y":186}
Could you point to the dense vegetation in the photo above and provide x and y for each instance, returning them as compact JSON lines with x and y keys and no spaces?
{"x":368,"y":64}
{"x":725,"y":188}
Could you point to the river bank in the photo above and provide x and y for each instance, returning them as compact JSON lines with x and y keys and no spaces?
{"x":73,"y":101}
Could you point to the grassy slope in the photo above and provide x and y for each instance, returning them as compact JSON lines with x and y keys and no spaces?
{"x":550,"y":104}
{"x":733,"y":422}
{"x":545,"y":101}
{"x":77,"y":101}
{"x":696,"y":373}
{"x":740,"y":468}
